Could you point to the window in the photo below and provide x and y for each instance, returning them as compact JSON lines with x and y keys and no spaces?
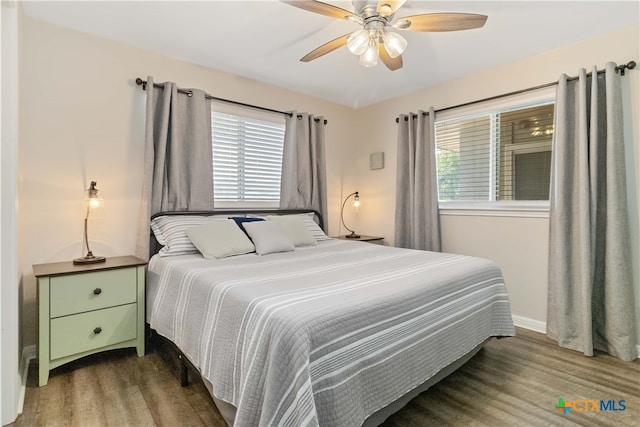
{"x":247,"y":158}
{"x":495,"y":155}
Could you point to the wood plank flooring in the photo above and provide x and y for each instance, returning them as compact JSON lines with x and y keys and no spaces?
{"x":511,"y":382}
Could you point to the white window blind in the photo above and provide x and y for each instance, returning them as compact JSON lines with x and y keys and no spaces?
{"x":247,"y":159}
{"x":495,"y":155}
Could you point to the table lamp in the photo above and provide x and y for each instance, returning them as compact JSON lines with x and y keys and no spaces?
{"x":356,"y":203}
{"x":93,"y":204}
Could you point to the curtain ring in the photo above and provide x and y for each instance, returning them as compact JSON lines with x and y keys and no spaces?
{"x":190,"y":93}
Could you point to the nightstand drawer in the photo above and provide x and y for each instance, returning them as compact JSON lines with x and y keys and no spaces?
{"x":78,"y":293}
{"x":88,"y":331}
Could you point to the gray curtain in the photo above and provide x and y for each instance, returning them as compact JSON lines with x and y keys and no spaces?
{"x":590,"y":296}
{"x":304,"y":182}
{"x":178,"y":172}
{"x":417,"y":219}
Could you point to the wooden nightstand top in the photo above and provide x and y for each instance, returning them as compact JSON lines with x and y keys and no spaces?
{"x":362,"y":238}
{"x":68,"y":267}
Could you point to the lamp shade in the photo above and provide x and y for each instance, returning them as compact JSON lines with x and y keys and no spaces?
{"x":394,"y":44}
{"x":370,"y":56}
{"x":93,"y":204}
{"x":358,"y":41}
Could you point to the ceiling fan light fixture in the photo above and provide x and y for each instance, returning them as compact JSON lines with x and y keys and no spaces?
{"x":374,"y":41}
{"x":358,"y":42}
{"x":370,"y":56}
{"x":394,"y":44}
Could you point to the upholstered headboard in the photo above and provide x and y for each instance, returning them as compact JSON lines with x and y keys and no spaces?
{"x":154,"y":246}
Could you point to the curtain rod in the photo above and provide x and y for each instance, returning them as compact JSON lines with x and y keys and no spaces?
{"x":143,"y":83}
{"x":628,"y":66}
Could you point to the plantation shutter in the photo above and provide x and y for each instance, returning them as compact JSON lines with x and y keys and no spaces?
{"x":247,"y":158}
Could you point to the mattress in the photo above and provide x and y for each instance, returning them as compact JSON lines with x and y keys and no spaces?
{"x":324,"y":335}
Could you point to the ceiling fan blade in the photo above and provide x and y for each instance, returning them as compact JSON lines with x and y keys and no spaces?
{"x":388,"y":7}
{"x":322,"y":8}
{"x":391,"y":63}
{"x":441,"y":22}
{"x":325,"y":48}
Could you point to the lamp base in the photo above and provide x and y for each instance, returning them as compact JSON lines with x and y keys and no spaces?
{"x":89,"y":259}
{"x":353,"y":235}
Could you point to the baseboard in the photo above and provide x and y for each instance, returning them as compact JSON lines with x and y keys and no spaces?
{"x":531,"y":324}
{"x":28,"y":354}
{"x":538,"y":326}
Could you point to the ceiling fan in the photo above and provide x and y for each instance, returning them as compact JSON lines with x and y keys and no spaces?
{"x":376,"y":40}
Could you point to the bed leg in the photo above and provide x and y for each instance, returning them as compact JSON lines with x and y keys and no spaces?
{"x":149,"y":336}
{"x":184,"y":373}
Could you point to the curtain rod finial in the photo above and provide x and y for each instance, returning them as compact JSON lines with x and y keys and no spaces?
{"x":142,"y":83}
{"x":628,"y":66}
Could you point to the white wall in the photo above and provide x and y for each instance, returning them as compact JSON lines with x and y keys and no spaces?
{"x":9,"y":301}
{"x":82,"y":119}
{"x":518,"y":244}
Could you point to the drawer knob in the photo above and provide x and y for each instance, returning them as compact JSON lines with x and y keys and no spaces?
{"x":97,"y":291}
{"x":97,"y":330}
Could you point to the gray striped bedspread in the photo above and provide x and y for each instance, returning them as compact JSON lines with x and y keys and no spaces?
{"x":325,"y":335}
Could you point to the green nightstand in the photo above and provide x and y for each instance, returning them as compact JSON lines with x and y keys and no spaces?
{"x":369,"y":239}
{"x":86,"y":309}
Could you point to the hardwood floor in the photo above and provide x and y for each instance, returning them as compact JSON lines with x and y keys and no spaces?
{"x":117,"y":388}
{"x":517,"y":382}
{"x":511,"y":382}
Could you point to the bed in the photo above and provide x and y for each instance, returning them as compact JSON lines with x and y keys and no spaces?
{"x":338,"y":333}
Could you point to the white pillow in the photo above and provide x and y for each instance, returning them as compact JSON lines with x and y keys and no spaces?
{"x":268,"y":237}
{"x":220,"y":239}
{"x":170,"y":232}
{"x":309,"y":221}
{"x":296,"y":230}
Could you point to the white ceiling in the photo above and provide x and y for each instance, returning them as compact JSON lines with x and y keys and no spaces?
{"x":264,"y":40}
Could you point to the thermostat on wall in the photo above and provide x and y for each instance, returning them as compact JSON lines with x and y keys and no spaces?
{"x":376,"y":161}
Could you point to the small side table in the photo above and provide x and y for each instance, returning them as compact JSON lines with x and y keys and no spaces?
{"x":369,"y":239}
{"x":88,"y":308}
